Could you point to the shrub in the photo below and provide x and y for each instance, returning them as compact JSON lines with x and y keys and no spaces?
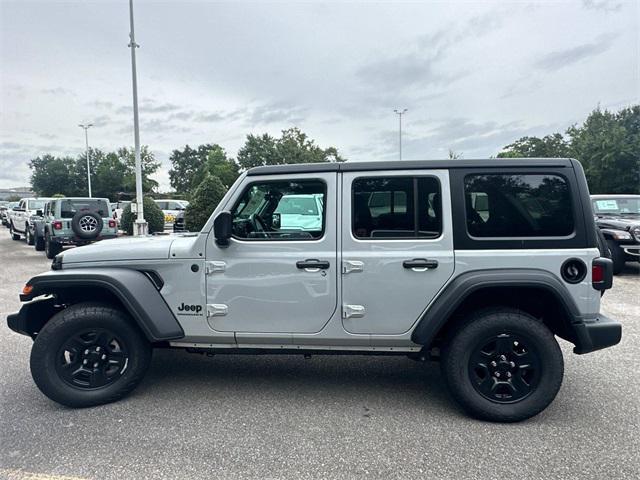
{"x":204,"y":201}
{"x":152,"y":214}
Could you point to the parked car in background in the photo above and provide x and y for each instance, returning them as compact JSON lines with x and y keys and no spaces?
{"x":117,"y":208}
{"x":299,"y":212}
{"x":76,"y":221}
{"x":178,"y":223}
{"x":4,"y":212}
{"x":20,"y":216}
{"x":618,"y":217}
{"x":171,"y":208}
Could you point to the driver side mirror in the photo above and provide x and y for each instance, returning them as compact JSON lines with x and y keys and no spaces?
{"x":39,"y":213}
{"x":223,"y":228}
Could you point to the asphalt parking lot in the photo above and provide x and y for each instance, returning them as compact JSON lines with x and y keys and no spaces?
{"x":324,"y":417}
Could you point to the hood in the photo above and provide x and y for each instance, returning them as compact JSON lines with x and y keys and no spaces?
{"x":619,"y":223}
{"x":124,"y":248}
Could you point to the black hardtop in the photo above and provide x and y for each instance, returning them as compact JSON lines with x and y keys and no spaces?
{"x":412,"y":165}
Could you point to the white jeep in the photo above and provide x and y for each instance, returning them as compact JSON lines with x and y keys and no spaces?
{"x":478,"y":264}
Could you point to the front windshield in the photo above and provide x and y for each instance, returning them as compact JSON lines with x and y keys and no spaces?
{"x":297,"y":206}
{"x":617,"y":206}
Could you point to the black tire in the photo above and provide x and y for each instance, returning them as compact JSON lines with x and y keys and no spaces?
{"x":38,"y":242}
{"x":87,"y":225}
{"x":14,"y":235}
{"x":51,"y":249}
{"x":102,"y":331}
{"x":617,"y":255}
{"x":29,"y":237}
{"x":530,"y":368}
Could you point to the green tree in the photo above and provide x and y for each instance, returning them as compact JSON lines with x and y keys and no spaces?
{"x":608,"y":146}
{"x":293,"y":146}
{"x":152,"y":214}
{"x":186,"y":165}
{"x":108,"y":174}
{"x":55,"y":174}
{"x":204,"y":201}
{"x":550,"y":146}
{"x":149,"y":166}
{"x":218,"y":165}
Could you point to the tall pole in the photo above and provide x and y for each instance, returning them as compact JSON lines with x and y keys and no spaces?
{"x":140,"y":227}
{"x":400,"y":113}
{"x":86,"y":141}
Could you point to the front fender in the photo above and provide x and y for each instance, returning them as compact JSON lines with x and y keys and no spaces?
{"x":134,"y":289}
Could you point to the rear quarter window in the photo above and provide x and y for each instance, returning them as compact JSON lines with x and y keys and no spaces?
{"x":526,"y":205}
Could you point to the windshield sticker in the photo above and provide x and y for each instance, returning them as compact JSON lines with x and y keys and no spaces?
{"x":607,"y":204}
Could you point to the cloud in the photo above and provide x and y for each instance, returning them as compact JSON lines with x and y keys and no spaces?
{"x":563,"y":58}
{"x":58,"y":91}
{"x":276,"y":113}
{"x":602,"y":5}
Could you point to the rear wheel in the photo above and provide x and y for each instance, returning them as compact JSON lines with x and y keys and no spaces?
{"x":503,"y":365}
{"x":89,"y":354}
{"x":39,"y":242}
{"x":29,"y":237}
{"x":51,"y":249}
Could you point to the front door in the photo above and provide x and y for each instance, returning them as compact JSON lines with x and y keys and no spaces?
{"x":279,"y":273}
{"x":397,"y":247}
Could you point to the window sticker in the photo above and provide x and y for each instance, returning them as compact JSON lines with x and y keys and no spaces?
{"x":607,"y":204}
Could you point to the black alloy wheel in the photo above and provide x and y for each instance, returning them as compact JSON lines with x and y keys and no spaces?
{"x":92,"y":359}
{"x":504,"y":368}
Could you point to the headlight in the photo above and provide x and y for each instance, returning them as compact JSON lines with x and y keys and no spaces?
{"x":636,"y":233}
{"x":620,"y":234}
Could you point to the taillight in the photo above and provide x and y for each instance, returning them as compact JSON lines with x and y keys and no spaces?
{"x":112,"y":223}
{"x":597,"y":273}
{"x":57,"y":225}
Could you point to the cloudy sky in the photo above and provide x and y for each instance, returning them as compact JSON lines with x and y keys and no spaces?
{"x":474,"y":75}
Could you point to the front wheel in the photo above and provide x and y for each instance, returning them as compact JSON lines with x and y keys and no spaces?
{"x":89,"y":354}
{"x":12,"y":232}
{"x":617,"y":255}
{"x":29,"y":237}
{"x":503,"y":365}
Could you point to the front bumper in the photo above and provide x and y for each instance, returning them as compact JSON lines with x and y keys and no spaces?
{"x":33,"y":315}
{"x":592,"y":335}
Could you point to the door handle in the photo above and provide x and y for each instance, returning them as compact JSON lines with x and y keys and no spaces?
{"x":420,"y":264}
{"x":312,"y":264}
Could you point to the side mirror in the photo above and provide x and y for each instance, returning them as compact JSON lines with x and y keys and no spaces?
{"x":39,"y":213}
{"x":223,"y":228}
{"x":275,"y":220}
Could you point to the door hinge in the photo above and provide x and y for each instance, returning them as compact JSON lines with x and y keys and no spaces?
{"x":214,"y":267}
{"x":349,"y":266}
{"x":217,"y":310}
{"x":353,"y":311}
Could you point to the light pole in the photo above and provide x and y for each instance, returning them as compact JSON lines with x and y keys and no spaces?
{"x":400,"y":113}
{"x":86,"y":127}
{"x":140,"y":225}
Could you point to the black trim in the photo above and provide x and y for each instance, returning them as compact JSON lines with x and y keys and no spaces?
{"x":597,"y":334}
{"x":134,"y":289}
{"x":409,"y":165}
{"x":582,"y":237}
{"x":454,"y":294}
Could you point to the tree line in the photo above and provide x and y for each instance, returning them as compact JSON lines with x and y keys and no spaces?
{"x":607,"y":144}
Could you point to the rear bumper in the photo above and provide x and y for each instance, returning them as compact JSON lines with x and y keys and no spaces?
{"x":73,"y":240}
{"x":596,"y":334}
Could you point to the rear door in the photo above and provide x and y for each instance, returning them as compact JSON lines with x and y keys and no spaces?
{"x":397,"y":247}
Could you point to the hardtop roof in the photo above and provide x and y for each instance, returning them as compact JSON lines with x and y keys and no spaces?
{"x":410,"y":165}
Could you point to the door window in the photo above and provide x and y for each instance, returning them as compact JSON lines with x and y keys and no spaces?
{"x":396,"y":208}
{"x":283,"y":210}
{"x":529,"y":205}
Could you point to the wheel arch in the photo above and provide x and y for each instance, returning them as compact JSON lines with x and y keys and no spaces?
{"x":533,"y":291}
{"x":130,"y":290}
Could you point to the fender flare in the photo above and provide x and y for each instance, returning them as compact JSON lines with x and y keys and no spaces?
{"x":459,"y":289}
{"x":135,"y":290}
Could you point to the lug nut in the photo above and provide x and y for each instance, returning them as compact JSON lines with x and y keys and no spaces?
{"x":97,"y":349}
{"x":497,"y":374}
{"x":512,"y":364}
{"x":104,"y":357}
{"x":85,"y":361}
{"x":86,"y":352}
{"x":503,"y":358}
{"x":508,"y":374}
{"x":494,"y":364}
{"x":95,"y":365}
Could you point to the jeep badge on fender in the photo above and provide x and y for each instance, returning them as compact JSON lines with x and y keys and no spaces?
{"x":478,"y":264}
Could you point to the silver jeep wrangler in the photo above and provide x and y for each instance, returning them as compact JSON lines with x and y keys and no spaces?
{"x":476,"y":263}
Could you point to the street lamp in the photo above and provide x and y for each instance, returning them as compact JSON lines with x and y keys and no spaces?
{"x":400,"y":113}
{"x":140,"y":225}
{"x":86,"y":127}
